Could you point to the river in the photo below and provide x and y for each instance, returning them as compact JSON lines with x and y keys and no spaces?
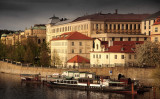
{"x":12,"y":88}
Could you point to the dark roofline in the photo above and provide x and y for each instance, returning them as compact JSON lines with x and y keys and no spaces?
{"x":153,"y":16}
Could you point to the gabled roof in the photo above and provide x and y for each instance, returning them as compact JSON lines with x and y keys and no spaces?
{"x":114,"y":17}
{"x":72,"y":36}
{"x":157,"y":21}
{"x":78,"y":59}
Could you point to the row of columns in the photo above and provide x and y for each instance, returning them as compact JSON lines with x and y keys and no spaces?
{"x":116,"y":27}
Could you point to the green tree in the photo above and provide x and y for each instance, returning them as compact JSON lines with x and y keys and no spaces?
{"x":19,"y":52}
{"x":44,"y":55}
{"x":28,"y":56}
{"x":3,"y":50}
{"x":56,"y":61}
{"x":148,"y":54}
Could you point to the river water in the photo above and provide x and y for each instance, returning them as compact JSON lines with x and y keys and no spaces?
{"x":12,"y":88}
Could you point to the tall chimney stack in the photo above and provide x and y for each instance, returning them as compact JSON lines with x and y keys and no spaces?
{"x":116,"y":11}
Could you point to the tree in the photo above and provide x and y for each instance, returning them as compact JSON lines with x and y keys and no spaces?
{"x":56,"y":61}
{"x":148,"y":54}
{"x":3,"y":50}
{"x":19,"y":52}
{"x":44,"y":55}
{"x":28,"y":56}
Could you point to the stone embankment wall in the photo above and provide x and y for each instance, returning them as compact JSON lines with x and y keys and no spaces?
{"x":142,"y":74}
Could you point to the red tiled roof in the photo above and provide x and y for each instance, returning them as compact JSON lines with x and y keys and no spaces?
{"x":72,"y":36}
{"x":122,"y":42}
{"x":121,"y":46}
{"x":157,"y":21}
{"x":114,"y":17}
{"x":78,"y":59}
{"x":121,"y":49}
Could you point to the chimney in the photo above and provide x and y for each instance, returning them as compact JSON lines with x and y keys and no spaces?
{"x":110,"y":43}
{"x":116,"y":11}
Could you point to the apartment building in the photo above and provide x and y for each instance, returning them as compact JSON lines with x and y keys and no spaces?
{"x":69,"y":45}
{"x":113,"y":53}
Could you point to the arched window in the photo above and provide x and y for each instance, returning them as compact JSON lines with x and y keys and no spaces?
{"x":97,"y":46}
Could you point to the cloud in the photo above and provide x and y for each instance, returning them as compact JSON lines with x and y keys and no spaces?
{"x":29,"y":12}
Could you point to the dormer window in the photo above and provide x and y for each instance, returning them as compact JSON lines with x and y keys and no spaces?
{"x":97,"y":46}
{"x":122,"y":49}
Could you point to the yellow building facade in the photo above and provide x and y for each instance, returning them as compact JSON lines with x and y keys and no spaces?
{"x":106,"y":25}
{"x":148,"y":22}
{"x":155,"y":34}
{"x":37,"y":33}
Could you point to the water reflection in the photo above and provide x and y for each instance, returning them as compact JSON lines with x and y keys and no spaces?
{"x":12,"y":88}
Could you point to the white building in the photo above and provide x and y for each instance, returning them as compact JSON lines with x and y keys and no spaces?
{"x":70,"y":44}
{"x":113,"y":53}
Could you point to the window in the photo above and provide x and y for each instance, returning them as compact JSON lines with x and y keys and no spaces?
{"x":93,"y":56}
{"x":137,"y":39}
{"x":121,"y":38}
{"x":130,"y":56}
{"x":72,"y":50}
{"x":106,"y":26}
{"x":99,"y":56}
{"x":96,"y":56}
{"x":80,"y":50}
{"x":106,"y":56}
{"x":149,"y":33}
{"x":156,"y":39}
{"x":129,"y":39}
{"x":130,"y":26}
{"x":145,"y":38}
{"x":110,"y":26}
{"x":135,"y":57}
{"x":118,"y":26}
{"x":96,"y":26}
{"x":72,"y":43}
{"x":115,"y":57}
{"x":122,"y":26}
{"x":139,"y":26}
{"x":126,"y":26}
{"x":156,"y":29}
{"x":43,"y":40}
{"x":39,"y":41}
{"x":113,"y":38}
{"x":122,"y":56}
{"x":114,"y":26}
{"x":134,"y":26}
{"x":97,"y":46}
{"x":80,"y":43}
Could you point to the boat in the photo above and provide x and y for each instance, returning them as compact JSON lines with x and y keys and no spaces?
{"x":88,"y":85}
{"x":30,"y":77}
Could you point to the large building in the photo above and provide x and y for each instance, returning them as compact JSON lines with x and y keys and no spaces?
{"x":148,"y":22}
{"x":37,"y":33}
{"x":113,"y":53}
{"x":155,"y":33}
{"x":69,"y":45}
{"x":116,"y":27}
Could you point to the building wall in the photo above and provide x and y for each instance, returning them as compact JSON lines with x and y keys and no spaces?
{"x":64,"y":49}
{"x":90,"y":28}
{"x":103,"y":59}
{"x":155,"y":34}
{"x":147,"y":26}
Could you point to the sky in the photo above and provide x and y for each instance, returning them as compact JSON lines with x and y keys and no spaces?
{"x":21,"y":14}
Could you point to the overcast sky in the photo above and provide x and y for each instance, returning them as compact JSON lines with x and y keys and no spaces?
{"x":19,"y":14}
